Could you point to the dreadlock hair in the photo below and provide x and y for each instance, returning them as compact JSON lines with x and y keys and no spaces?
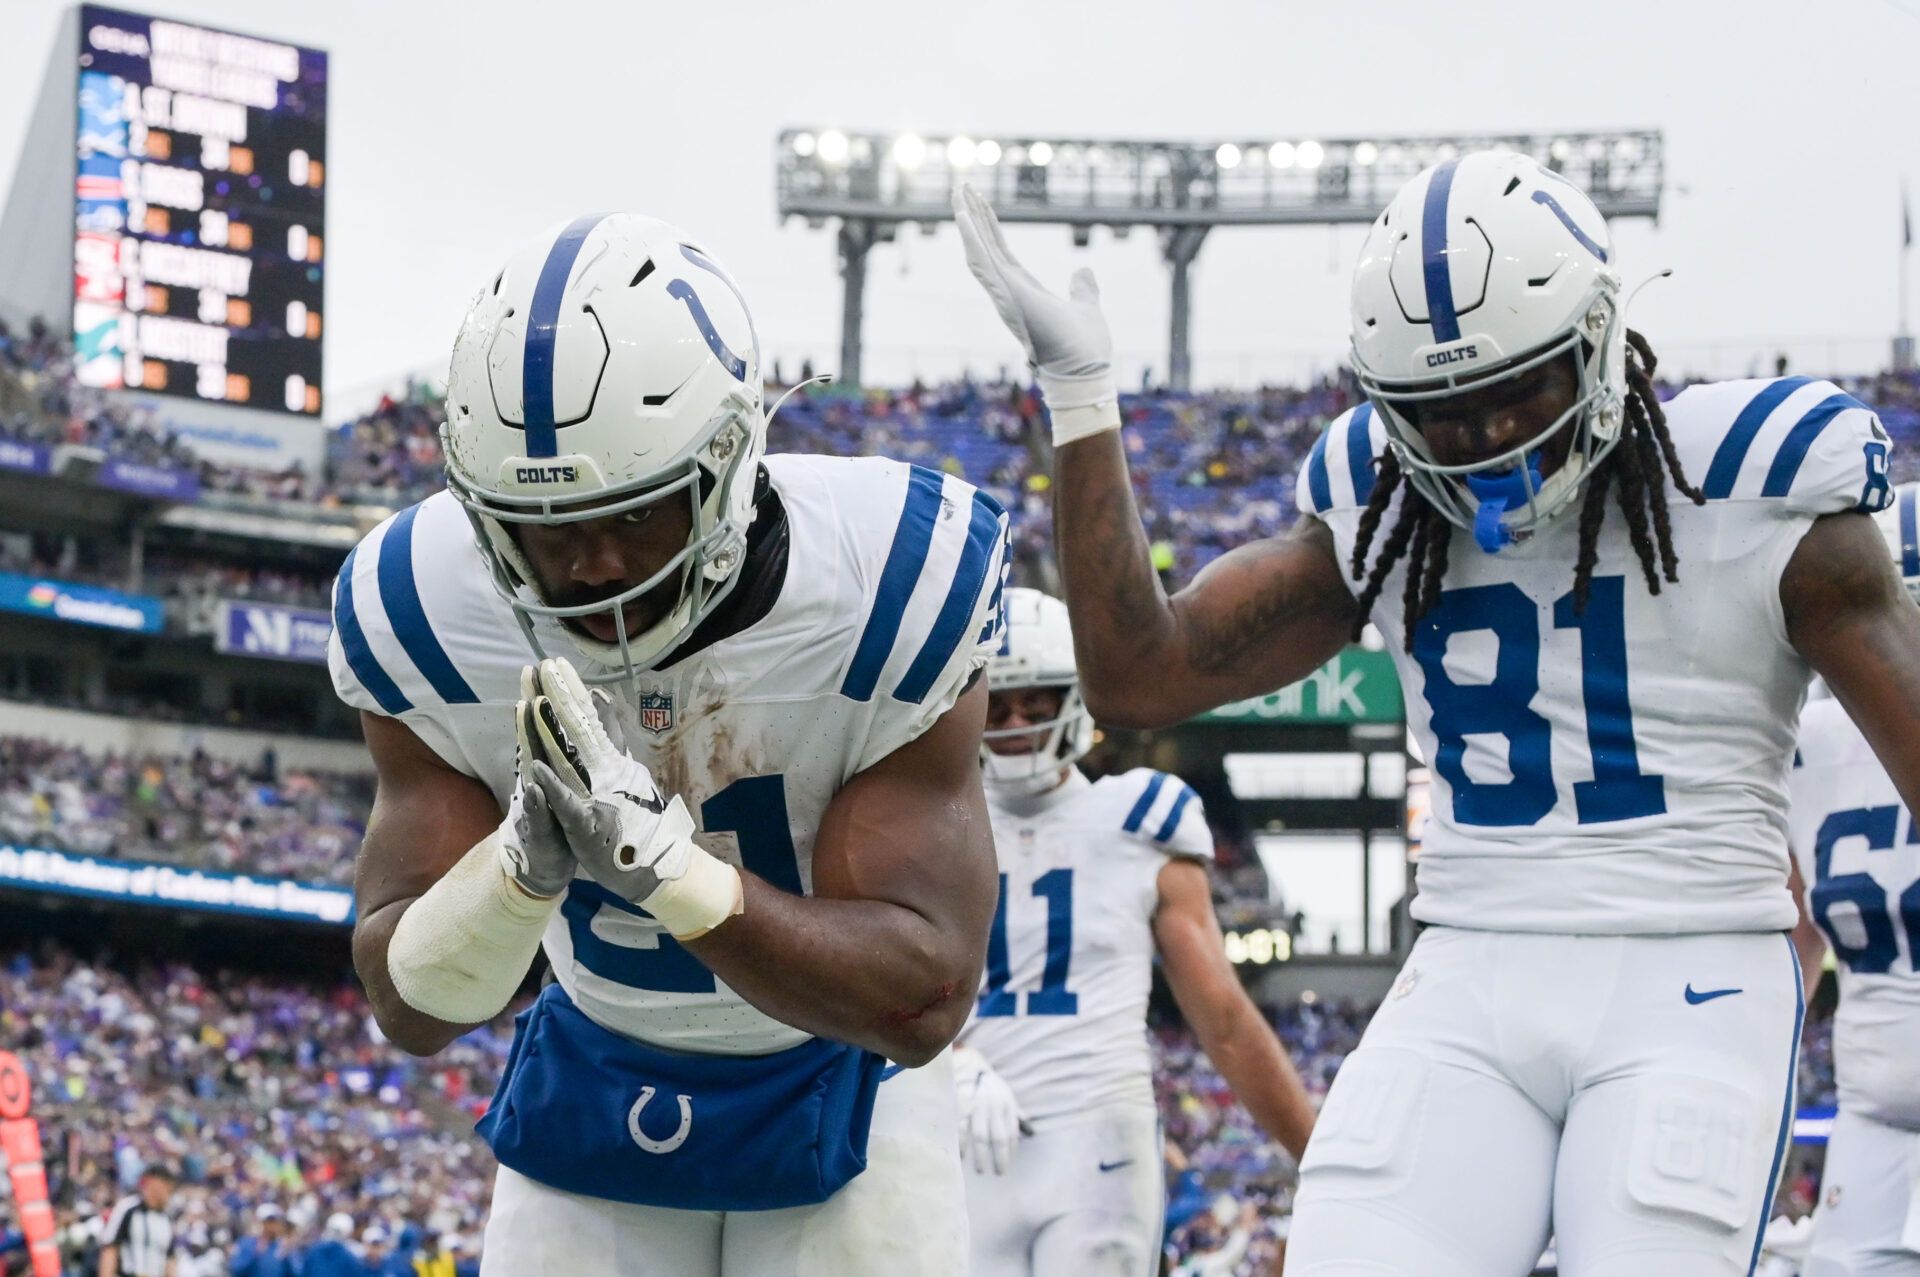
{"x":1635,"y":472}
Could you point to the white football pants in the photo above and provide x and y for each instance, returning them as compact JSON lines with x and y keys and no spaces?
{"x":1629,"y":1095}
{"x":1084,"y":1196}
{"x":1868,"y":1221}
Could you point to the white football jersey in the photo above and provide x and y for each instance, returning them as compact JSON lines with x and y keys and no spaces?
{"x":1859,"y":854}
{"x":1062,"y":1011}
{"x":890,"y":604}
{"x":1621,"y":770}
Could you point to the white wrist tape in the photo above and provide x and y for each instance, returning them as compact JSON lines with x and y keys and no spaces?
{"x":1081,"y":407}
{"x":461,"y":949}
{"x":700,"y":899}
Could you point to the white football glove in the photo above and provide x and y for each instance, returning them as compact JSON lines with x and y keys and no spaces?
{"x":533,"y":847}
{"x":634,"y":841}
{"x":991,"y":1122}
{"x":1067,"y":342}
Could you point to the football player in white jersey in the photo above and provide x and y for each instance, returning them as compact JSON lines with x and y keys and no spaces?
{"x":755,"y":849}
{"x":1596,"y":1034}
{"x":1858,"y":854}
{"x":1095,"y":877}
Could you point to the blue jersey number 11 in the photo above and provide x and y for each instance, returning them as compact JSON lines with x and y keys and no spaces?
{"x":1052,"y":997}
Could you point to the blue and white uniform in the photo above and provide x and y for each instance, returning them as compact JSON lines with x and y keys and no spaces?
{"x":1859,"y":854}
{"x":1596,"y":1035}
{"x":1062,"y":1018}
{"x":889,"y":607}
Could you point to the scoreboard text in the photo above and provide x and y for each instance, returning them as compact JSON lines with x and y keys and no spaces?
{"x":199,"y":200}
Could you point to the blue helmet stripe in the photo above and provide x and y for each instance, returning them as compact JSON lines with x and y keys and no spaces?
{"x":536,"y":369}
{"x":1360,"y":452}
{"x":1141,"y":808}
{"x":1909,"y":533}
{"x":1732,"y":452}
{"x":905,"y":558}
{"x":353,"y":643}
{"x":1433,"y":255}
{"x":1542,"y":197}
{"x":400,"y":591}
{"x":950,"y":626}
{"x":1794,"y":448}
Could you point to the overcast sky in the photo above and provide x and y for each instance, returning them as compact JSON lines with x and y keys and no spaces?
{"x":458,"y":130}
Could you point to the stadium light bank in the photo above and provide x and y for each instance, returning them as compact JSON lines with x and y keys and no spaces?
{"x":870,"y":183}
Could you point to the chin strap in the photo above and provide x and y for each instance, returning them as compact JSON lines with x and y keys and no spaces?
{"x":1499,"y":493}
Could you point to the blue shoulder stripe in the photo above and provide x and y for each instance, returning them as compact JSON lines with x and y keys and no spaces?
{"x":1172,"y":822}
{"x":1318,"y":485}
{"x":400,"y":591}
{"x":353,"y":642}
{"x":997,"y":605}
{"x":1727,"y":459}
{"x":902,"y":571}
{"x":950,"y":626}
{"x":1140,"y":809}
{"x":1360,"y":452}
{"x":1909,"y":533}
{"x":1793,"y":449}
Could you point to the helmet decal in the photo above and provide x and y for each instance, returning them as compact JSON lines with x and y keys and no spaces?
{"x":1573,"y":227}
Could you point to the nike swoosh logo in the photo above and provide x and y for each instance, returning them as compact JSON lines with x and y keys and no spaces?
{"x":1695,"y":999}
{"x":655,"y":804}
{"x":1114,"y":1166}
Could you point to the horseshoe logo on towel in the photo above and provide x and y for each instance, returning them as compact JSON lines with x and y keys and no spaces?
{"x":647,"y":1143}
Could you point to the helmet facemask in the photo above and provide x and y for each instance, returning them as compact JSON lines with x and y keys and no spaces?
{"x":1059,"y":742}
{"x":1504,"y":498}
{"x":714,"y":477}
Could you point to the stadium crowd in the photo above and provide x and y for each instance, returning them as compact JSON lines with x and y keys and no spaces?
{"x":1212,"y":469}
{"x":194,"y":810}
{"x":186,"y":577}
{"x":286,"y":1115}
{"x":266,"y":1098}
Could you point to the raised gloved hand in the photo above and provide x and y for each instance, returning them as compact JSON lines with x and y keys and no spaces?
{"x":533,"y":847}
{"x":1066,"y":341}
{"x":630,"y":838}
{"x":991,"y":1122}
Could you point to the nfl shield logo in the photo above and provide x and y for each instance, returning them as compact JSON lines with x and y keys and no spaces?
{"x":656,"y":712}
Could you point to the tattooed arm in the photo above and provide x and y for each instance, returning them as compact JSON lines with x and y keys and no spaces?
{"x":1258,"y":618}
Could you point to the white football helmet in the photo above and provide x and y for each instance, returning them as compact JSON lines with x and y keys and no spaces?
{"x":1483,"y":268}
{"x":610,"y":365}
{"x":1036,"y":650}
{"x":1900,"y":524}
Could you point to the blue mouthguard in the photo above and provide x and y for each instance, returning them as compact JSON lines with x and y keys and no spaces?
{"x":1500,"y":492}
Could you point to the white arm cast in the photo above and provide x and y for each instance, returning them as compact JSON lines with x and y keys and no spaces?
{"x":460,"y":950}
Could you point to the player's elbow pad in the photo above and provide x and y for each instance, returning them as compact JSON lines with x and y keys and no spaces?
{"x":460,"y":950}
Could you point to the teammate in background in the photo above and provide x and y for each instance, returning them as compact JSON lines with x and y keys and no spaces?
{"x":748,"y":827}
{"x":1596,"y":1033}
{"x":1095,"y":876}
{"x":1858,"y":853}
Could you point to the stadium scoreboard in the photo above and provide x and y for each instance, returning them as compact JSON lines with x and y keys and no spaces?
{"x":199,"y":247}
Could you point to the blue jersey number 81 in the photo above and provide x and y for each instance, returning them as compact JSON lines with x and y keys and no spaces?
{"x":1619,"y":790}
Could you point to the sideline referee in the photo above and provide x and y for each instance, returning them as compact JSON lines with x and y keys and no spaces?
{"x":139,"y":1234}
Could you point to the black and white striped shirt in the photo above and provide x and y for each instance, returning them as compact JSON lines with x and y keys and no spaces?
{"x":142,"y":1235}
